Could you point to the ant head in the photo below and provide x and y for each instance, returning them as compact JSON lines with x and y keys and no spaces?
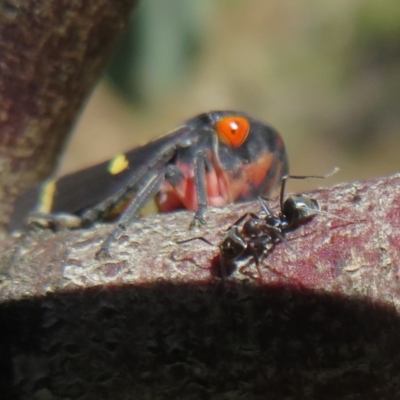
{"x":298,"y":209}
{"x":233,"y":245}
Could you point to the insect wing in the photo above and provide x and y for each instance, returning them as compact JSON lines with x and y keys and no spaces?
{"x":86,"y":188}
{"x":98,"y":183}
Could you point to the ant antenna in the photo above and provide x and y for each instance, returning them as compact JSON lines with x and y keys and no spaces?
{"x":286,"y":177}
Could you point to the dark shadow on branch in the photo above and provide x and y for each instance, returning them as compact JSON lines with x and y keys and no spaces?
{"x":199,"y":341}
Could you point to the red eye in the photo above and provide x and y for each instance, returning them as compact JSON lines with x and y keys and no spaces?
{"x":233,"y":130}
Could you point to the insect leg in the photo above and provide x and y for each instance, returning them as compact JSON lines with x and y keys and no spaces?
{"x":57,"y":221}
{"x":265,"y":207}
{"x":256,"y":260}
{"x":144,"y":194}
{"x":196,"y":238}
{"x":278,"y":234}
{"x":201,"y":190}
{"x":242,"y":218}
{"x":259,"y":248}
{"x":252,"y":255}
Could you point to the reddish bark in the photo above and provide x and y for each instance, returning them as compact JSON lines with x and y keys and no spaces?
{"x":322,"y":323}
{"x":52,"y":53}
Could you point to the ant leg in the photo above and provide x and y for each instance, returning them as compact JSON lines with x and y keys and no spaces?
{"x":257,"y":261}
{"x":242,"y":218}
{"x":197,"y":238}
{"x":239,"y":221}
{"x":244,"y":269}
{"x":265,"y":207}
{"x":257,"y":248}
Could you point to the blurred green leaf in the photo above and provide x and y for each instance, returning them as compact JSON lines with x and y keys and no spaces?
{"x":157,"y":50}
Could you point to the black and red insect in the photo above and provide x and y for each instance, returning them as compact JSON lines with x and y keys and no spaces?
{"x":213,"y":159}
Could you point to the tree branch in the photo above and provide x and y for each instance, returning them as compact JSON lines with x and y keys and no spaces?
{"x":52,"y":53}
{"x":322,"y":323}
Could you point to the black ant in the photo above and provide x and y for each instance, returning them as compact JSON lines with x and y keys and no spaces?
{"x":294,"y":211}
{"x":258,"y":235}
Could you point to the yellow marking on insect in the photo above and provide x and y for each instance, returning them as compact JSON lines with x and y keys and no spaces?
{"x":47,"y":196}
{"x":118,"y":164}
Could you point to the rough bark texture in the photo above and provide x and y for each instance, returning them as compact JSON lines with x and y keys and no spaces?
{"x":51,"y":54}
{"x":148,"y":323}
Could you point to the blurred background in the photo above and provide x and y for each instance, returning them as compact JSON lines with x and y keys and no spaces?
{"x":324,"y":74}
